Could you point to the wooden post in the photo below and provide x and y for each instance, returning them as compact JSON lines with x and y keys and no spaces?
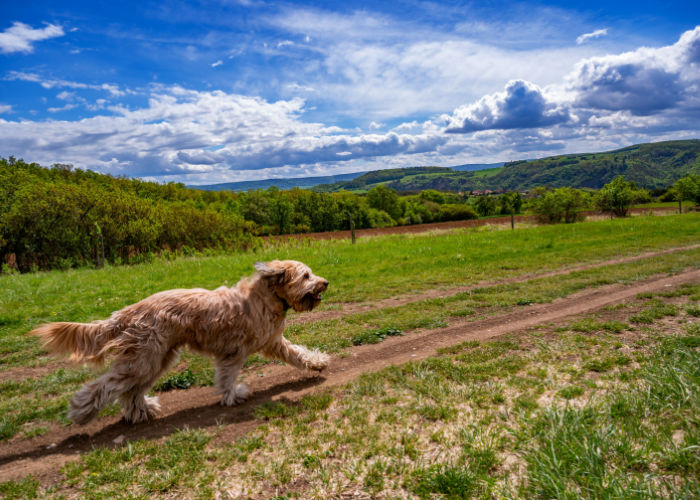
{"x":352,"y":229}
{"x":102,"y":247}
{"x":512,"y":219}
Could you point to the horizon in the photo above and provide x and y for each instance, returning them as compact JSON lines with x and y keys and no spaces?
{"x":224,"y":91}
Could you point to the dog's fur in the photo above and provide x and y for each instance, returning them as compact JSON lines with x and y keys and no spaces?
{"x":144,"y":339}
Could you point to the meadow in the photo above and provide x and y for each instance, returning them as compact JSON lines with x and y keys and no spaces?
{"x":478,"y":420}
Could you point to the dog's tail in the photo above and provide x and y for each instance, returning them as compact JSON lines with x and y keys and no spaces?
{"x":83,"y":341}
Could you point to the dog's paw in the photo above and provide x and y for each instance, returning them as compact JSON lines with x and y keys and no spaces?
{"x":153,"y":406}
{"x":142,"y":411}
{"x":236,"y":395}
{"x":317,"y":360}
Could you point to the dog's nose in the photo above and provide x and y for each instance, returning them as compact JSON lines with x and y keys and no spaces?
{"x":325,"y":283}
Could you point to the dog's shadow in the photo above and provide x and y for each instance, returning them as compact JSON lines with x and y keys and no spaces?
{"x":201,"y":417}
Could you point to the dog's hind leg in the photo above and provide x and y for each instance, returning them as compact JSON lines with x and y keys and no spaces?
{"x":91,"y":398}
{"x":137,"y":406}
{"x":296,"y":355}
{"x":227,"y":370}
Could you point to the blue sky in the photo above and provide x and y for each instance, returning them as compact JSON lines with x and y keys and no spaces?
{"x":215,"y":91}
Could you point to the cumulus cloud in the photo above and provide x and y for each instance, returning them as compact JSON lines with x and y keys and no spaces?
{"x":521,"y":105}
{"x":5,"y":108}
{"x":183,"y":131}
{"x":652,"y":88}
{"x":20,"y":37}
{"x":375,"y":67}
{"x":589,"y":36}
{"x":643,"y":82}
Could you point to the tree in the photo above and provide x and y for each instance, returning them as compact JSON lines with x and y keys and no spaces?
{"x":383,"y":198}
{"x":686,"y":188}
{"x":485,"y":205}
{"x":511,"y":203}
{"x":618,"y":195}
{"x":562,"y":204}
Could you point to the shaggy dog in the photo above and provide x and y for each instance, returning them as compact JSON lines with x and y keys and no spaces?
{"x":144,"y":339}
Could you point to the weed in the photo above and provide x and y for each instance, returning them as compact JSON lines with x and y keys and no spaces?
{"x":375,"y":336}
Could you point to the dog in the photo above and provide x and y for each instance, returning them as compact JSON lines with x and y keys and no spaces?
{"x":143,"y":340}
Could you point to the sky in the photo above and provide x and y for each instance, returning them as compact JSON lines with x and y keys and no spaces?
{"x":214,"y":91}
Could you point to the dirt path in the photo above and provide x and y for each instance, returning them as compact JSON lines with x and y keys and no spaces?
{"x":199,"y":408}
{"x":346,"y":309}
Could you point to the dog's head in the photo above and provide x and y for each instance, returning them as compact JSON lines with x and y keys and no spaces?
{"x":294,"y":283}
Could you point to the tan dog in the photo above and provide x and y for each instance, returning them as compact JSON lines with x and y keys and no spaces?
{"x":144,"y":339}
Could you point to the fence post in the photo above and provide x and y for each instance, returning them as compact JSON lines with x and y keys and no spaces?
{"x":352,"y":229}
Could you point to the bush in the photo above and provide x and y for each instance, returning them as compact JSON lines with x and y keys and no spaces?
{"x":617,"y":196}
{"x":559,"y":205}
{"x":454,"y":211}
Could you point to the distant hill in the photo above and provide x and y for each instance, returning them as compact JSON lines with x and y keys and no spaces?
{"x":300,"y":182}
{"x":649,"y":165}
{"x":309,"y":182}
{"x":477,"y":166}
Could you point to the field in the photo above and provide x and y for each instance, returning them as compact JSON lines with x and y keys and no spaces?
{"x":546,"y":362}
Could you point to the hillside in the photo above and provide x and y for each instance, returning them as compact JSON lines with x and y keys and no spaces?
{"x":650,"y":165}
{"x":298,"y":182}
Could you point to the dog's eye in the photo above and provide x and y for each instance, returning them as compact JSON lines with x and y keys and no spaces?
{"x":306,"y":276}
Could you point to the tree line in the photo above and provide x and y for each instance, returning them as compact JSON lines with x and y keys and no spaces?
{"x":61,"y":217}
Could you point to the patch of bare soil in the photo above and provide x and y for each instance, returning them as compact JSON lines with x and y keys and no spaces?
{"x":199,"y":408}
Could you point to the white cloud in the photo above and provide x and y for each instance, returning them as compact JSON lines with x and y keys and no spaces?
{"x":5,"y":108}
{"x":643,"y":82}
{"x":48,"y":83}
{"x":217,"y":63}
{"x":67,"y":107}
{"x":521,"y":105}
{"x":189,"y":132}
{"x":589,"y":36}
{"x":20,"y":37}
{"x":378,"y":68}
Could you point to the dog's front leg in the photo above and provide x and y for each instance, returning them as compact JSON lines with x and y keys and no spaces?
{"x":227,"y":369}
{"x":296,"y":355}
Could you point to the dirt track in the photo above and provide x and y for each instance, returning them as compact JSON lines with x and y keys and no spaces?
{"x":199,"y":408}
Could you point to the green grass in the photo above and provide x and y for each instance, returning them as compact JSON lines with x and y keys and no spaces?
{"x":374,"y":268}
{"x":29,"y":406}
{"x":520,"y":417}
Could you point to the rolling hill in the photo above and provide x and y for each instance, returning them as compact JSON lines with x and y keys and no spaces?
{"x":651,"y":165}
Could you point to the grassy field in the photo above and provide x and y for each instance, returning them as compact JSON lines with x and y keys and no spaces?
{"x":602,"y":407}
{"x":479,"y":419}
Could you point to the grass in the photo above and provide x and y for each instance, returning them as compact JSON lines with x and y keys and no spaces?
{"x":403,"y":264}
{"x":31,"y":405}
{"x":521,"y":417}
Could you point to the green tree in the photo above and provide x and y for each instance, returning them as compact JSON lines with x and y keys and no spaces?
{"x":558,"y":205}
{"x":485,"y":205}
{"x":382,"y":198}
{"x":511,"y":203}
{"x":617,"y":196}
{"x":686,"y":188}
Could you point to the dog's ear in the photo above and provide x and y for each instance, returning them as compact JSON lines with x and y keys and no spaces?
{"x":269,"y":271}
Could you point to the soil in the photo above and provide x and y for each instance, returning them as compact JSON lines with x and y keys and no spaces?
{"x":199,"y":408}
